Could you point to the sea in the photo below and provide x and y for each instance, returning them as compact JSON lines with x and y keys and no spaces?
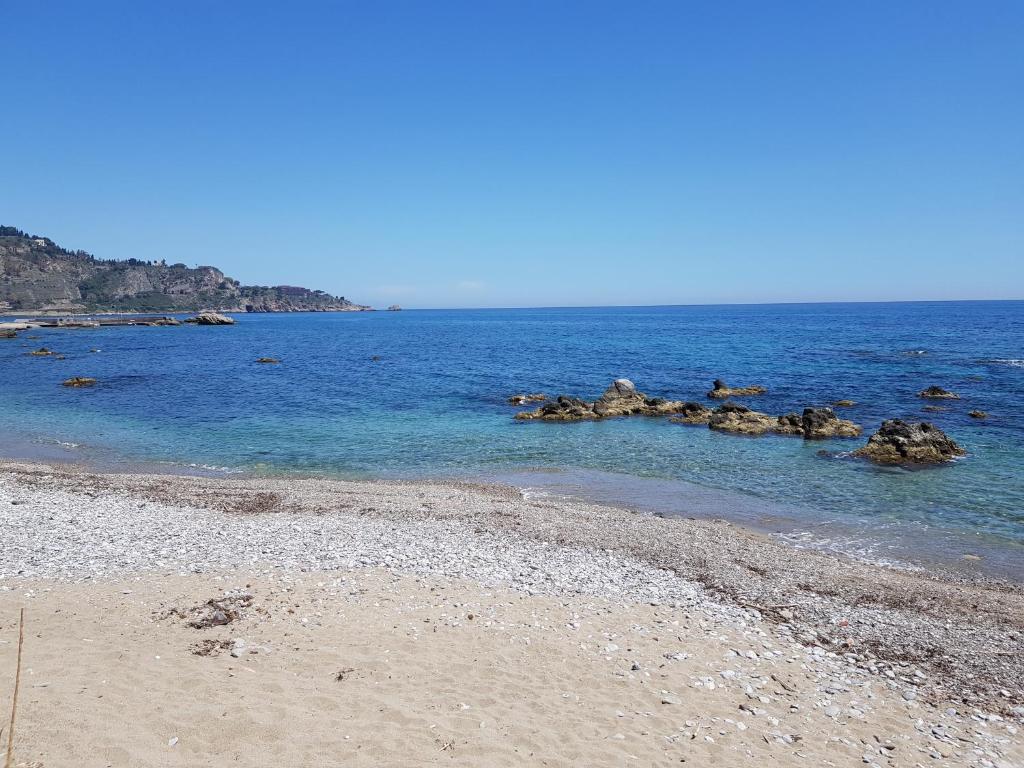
{"x":421,"y":394}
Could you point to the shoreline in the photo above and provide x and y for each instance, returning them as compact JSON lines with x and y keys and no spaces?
{"x":905,"y":616}
{"x":785,"y":524}
{"x":450,"y":621}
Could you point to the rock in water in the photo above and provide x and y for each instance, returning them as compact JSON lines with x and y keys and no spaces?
{"x":816,"y":424}
{"x":844,"y":403}
{"x":79,"y":381}
{"x":268,"y":360}
{"x":721,"y":390}
{"x":897,"y":442}
{"x":42,"y":352}
{"x":692,"y":413}
{"x":523,"y":399}
{"x":938,"y":393}
{"x":977,"y":414}
{"x":741,"y":420}
{"x":211,"y":318}
{"x":620,"y":399}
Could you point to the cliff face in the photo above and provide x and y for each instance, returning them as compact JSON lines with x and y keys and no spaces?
{"x":38,"y":275}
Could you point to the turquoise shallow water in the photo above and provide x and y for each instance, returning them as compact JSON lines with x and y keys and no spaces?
{"x":434,"y":405}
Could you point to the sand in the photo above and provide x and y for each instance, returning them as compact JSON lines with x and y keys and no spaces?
{"x":403,"y":625}
{"x":370,"y":668}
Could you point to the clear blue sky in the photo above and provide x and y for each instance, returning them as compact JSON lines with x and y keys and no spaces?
{"x":529,"y":153}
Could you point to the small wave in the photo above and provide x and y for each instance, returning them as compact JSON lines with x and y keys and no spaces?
{"x":1010,"y":361}
{"x":916,"y":352}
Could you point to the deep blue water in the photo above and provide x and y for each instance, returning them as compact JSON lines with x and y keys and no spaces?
{"x":434,"y":405}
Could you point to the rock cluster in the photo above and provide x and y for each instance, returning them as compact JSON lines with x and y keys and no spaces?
{"x":722,"y":391}
{"x":620,"y":399}
{"x":898,"y":442}
{"x":211,"y":318}
{"x":42,"y":352}
{"x":938,"y":393}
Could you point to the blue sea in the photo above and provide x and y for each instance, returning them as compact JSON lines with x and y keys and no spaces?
{"x":421,"y":394}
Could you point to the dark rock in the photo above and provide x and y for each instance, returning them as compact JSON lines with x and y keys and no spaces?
{"x":935,"y":408}
{"x":692,"y":413}
{"x":722,"y":391}
{"x":844,"y":403}
{"x":268,"y":360}
{"x":620,"y":399}
{"x":79,"y":381}
{"x":523,"y":399}
{"x":977,"y":414}
{"x":899,"y":442}
{"x":741,"y":420}
{"x":42,"y":352}
{"x":818,"y":423}
{"x":938,"y":393}
{"x":211,"y":318}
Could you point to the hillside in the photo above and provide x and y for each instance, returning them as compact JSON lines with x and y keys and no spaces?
{"x":37,"y":275}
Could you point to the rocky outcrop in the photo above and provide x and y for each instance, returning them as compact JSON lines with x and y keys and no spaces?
{"x":741,"y":420}
{"x":211,"y":318}
{"x":523,"y":399}
{"x":899,"y":442}
{"x":817,"y":424}
{"x":692,"y":413}
{"x":42,"y":352}
{"x":977,"y":414}
{"x":79,"y":381}
{"x":620,"y":399}
{"x":7,"y":333}
{"x":38,"y":275}
{"x":394,"y":308}
{"x":721,"y":391}
{"x":938,"y":393}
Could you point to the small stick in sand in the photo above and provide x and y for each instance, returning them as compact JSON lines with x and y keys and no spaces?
{"x":14,"y":702}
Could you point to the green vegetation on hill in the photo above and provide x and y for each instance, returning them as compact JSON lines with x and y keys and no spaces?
{"x":38,"y":275}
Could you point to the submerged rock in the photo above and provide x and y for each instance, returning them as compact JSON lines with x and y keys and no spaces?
{"x":211,"y":318}
{"x":620,"y":399}
{"x":935,"y":408}
{"x":741,"y":420}
{"x":268,"y":360}
{"x":816,"y":424}
{"x":938,"y":393}
{"x":692,"y":413}
{"x":79,"y":381}
{"x":721,"y":391}
{"x":898,"y":442}
{"x":844,"y":403}
{"x":977,"y":414}
{"x":523,"y":399}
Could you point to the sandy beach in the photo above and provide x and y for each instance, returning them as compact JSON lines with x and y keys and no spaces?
{"x":251,"y":621}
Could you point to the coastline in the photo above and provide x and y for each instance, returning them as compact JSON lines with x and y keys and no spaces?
{"x":732,"y":563}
